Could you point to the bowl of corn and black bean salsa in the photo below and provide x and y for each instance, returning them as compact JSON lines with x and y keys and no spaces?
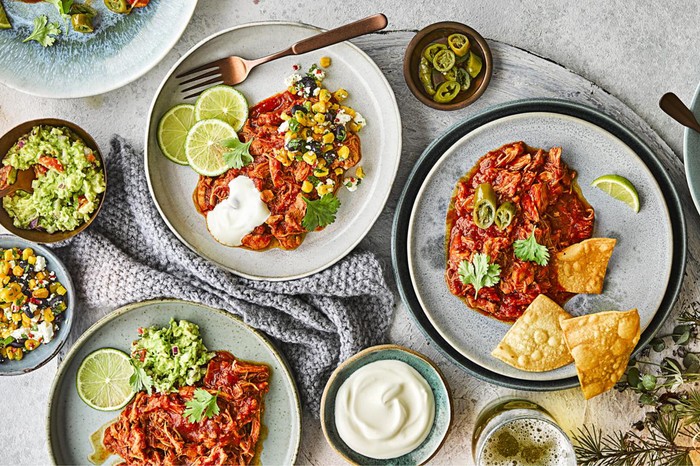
{"x":36,"y":303}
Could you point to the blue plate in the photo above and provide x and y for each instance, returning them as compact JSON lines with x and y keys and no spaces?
{"x":426,"y":368}
{"x":122,"y":48}
{"x":44,"y":353}
{"x":691,"y":153}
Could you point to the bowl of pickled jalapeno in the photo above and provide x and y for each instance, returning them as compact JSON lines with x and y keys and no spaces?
{"x":36,"y":305}
{"x":447,"y":65}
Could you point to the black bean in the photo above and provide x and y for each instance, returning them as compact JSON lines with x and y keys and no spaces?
{"x":298,"y":108}
{"x":18,"y":343}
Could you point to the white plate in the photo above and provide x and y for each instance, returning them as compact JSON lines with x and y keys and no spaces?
{"x":640,"y":267}
{"x":172,"y":185}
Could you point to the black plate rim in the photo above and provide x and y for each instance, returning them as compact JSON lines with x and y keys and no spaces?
{"x":437,"y":148}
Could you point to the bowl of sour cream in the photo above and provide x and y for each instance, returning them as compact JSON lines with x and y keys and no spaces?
{"x":386,"y":405}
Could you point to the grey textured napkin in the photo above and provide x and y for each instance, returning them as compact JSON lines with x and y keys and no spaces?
{"x":129,"y":255}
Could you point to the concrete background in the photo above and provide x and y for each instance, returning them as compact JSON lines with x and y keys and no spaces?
{"x":635,"y":53}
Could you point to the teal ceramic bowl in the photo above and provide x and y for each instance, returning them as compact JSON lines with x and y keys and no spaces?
{"x":44,"y":353}
{"x":426,"y":368}
{"x":691,"y":153}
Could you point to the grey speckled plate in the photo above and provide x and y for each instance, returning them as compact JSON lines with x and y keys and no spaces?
{"x":425,"y":367}
{"x":172,"y":185}
{"x":691,"y":153}
{"x":70,"y":421}
{"x":650,"y":249}
{"x":122,"y":48}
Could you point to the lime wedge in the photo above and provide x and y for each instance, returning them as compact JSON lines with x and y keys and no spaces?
{"x":103,"y":379}
{"x":619,"y":188}
{"x":172,"y":132}
{"x":203,"y":149}
{"x":224,"y":103}
{"x":4,"y":20}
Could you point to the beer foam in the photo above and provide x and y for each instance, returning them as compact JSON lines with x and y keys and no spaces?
{"x":527,"y":442}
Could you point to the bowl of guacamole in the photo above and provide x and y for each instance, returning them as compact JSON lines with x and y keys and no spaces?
{"x":69,"y":185}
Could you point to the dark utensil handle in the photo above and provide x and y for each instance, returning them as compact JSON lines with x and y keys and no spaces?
{"x":676,"y":109}
{"x":349,"y":31}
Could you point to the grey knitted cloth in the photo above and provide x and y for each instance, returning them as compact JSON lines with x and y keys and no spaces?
{"x":129,"y":255}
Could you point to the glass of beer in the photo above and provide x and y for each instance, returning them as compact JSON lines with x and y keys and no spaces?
{"x":516,"y":432}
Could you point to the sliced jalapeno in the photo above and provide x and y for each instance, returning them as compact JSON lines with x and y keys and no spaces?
{"x":81,"y":23}
{"x":504,"y":215}
{"x":474,"y":65}
{"x":425,"y":73}
{"x":451,"y":75}
{"x":459,"y":43}
{"x":432,"y":50}
{"x":117,"y":6}
{"x":463,"y":79}
{"x":446,"y":92}
{"x":485,"y":202}
{"x":444,"y":60}
{"x":82,"y":8}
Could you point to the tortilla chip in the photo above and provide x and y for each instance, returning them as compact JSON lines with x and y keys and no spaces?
{"x":535,"y":342}
{"x":581,"y":267}
{"x":601,"y":345}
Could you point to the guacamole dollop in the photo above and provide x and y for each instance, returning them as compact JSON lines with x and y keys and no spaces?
{"x":68,"y":184}
{"x":173,"y":356}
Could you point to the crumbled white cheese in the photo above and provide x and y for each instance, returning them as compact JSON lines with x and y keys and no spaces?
{"x":284,"y":127}
{"x":292,"y":79}
{"x":19,"y":333}
{"x":342,"y":118}
{"x":40,"y":264}
{"x":317,"y":91}
{"x":319,"y":74}
{"x":44,"y":330}
{"x":359,"y":120}
{"x":351,"y":183}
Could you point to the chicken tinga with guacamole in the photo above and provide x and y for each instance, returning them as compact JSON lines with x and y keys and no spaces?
{"x":68,"y":184}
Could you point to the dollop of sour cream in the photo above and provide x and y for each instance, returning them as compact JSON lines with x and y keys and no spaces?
{"x":238,"y":214}
{"x":384,"y":409}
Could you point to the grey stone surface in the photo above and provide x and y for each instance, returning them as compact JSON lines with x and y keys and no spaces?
{"x":636,"y":53}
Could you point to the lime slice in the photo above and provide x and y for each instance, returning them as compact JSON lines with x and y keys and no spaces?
{"x":103,"y":379}
{"x":202,"y":148}
{"x":4,"y":20}
{"x":172,"y":132}
{"x":224,"y":103}
{"x":619,"y":188}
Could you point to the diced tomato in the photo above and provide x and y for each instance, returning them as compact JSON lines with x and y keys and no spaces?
{"x":139,"y":3}
{"x":51,"y":163}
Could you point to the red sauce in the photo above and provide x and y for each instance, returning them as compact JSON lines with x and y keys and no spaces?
{"x":544,"y":190}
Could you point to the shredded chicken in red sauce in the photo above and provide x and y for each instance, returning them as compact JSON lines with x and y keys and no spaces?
{"x":542,"y":188}
{"x":152,"y":429}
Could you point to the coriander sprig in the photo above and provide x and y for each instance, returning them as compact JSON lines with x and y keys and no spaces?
{"x":529,"y":250}
{"x":202,"y":405}
{"x":479,"y":272}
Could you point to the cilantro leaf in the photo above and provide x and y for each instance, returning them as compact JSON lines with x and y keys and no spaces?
{"x":320,"y":212}
{"x":63,"y":6}
{"x":239,"y":156}
{"x":140,"y":380}
{"x":479,"y":272}
{"x":44,"y":31}
{"x":203,"y":404}
{"x":530,"y":250}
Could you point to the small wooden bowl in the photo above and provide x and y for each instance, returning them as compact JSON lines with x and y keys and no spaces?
{"x":9,"y":139}
{"x":422,"y":39}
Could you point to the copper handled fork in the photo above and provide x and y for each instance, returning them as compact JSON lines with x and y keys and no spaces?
{"x":234,"y":70}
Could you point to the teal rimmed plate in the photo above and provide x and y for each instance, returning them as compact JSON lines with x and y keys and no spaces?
{"x":691,"y":153}
{"x":122,"y":48}
{"x":425,"y":367}
{"x":70,"y":421}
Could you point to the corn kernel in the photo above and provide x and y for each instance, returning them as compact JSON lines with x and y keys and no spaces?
{"x":354,"y":127}
{"x":339,"y":171}
{"x":32,"y":260}
{"x":319,"y":129}
{"x":324,"y":61}
{"x":327,"y":148}
{"x":17,"y":271}
{"x":360,"y":172}
{"x":321,"y":163}
{"x":328,"y":138}
{"x":324,"y":189}
{"x":26,"y":321}
{"x":319,"y":118}
{"x":281,"y":157}
{"x":6,"y":268}
{"x":288,"y":136}
{"x":309,"y":157}
{"x":19,"y":354}
{"x":285,"y":117}
{"x":348,"y":110}
{"x":319,"y":107}
{"x":6,"y":280}
{"x":291,"y":90}
{"x":40,"y":276}
{"x":16,"y":317}
{"x":48,"y":315}
{"x":307,"y":187}
{"x":340,"y":95}
{"x":61,"y":290}
{"x":320,"y":172}
{"x":41,"y":293}
{"x":324,"y":95}
{"x":26,"y":253}
{"x":343,"y":152}
{"x":8,"y":255}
